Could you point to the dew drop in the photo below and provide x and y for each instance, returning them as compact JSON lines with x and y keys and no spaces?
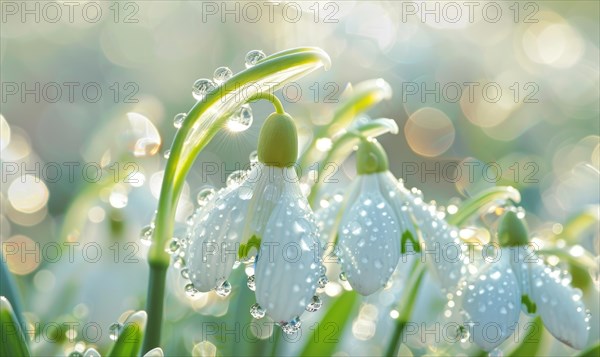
{"x":173,"y":246}
{"x":292,"y":326}
{"x":190,"y":290}
{"x":201,"y":87}
{"x":322,"y":281}
{"x":204,"y":196}
{"x":185,"y":273}
{"x":235,"y":178}
{"x":257,"y":311}
{"x":222,"y":74}
{"x":167,"y":154}
{"x":462,"y":333}
{"x":343,"y":276}
{"x":253,"y":57}
{"x":251,"y":283}
{"x":241,"y":120}
{"x":314,"y":305}
{"x":178,"y":120}
{"x":179,"y":262}
{"x":224,"y":290}
{"x":146,"y":235}
{"x":113,"y":331}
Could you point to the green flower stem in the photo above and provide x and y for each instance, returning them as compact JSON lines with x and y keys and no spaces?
{"x":364,"y":96}
{"x":271,"y":98}
{"x":203,"y":121}
{"x":406,"y":305}
{"x":344,"y":144}
{"x":474,"y":204}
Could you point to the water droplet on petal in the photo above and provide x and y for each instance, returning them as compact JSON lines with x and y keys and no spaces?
{"x":251,"y":283}
{"x":204,"y":196}
{"x":190,"y":290}
{"x":322,"y":281}
{"x":253,"y":57}
{"x":292,"y":326}
{"x":201,"y":87}
{"x":185,"y":273}
{"x":224,"y":290}
{"x":178,"y":262}
{"x":257,"y":311}
{"x":314,"y":305}
{"x":222,"y":74}
{"x":235,"y":178}
{"x":178,"y":120}
{"x":343,"y":276}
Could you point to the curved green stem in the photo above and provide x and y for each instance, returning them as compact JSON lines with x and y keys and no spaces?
{"x":474,"y":204}
{"x":344,"y":144}
{"x":271,"y":98}
{"x":203,"y":121}
{"x":364,"y":96}
{"x":407,"y":305}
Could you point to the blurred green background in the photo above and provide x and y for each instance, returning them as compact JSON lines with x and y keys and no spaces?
{"x":92,"y":84}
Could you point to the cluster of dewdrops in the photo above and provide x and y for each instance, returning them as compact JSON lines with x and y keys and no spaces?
{"x":176,"y":247}
{"x":242,"y":118}
{"x":257,"y":311}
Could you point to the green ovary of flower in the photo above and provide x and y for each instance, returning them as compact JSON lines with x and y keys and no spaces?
{"x":371,"y":158}
{"x":278,"y":141}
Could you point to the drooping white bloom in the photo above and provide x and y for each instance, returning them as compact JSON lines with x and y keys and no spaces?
{"x":444,"y":252}
{"x":519,"y":278}
{"x":558,"y":304}
{"x":371,"y":230}
{"x":265,"y":212}
{"x":492,"y":302}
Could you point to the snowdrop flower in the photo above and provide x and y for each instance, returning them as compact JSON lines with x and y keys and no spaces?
{"x":265,"y":212}
{"x":444,"y":252}
{"x":375,"y":227}
{"x":492,"y":299}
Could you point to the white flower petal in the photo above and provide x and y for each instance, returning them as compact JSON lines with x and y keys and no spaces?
{"x":327,"y":217}
{"x":559,"y":305}
{"x":400,"y":200}
{"x":216,"y":237}
{"x":444,"y":251}
{"x":289,"y":262}
{"x":491,"y":302}
{"x":269,"y":183}
{"x":369,"y":238}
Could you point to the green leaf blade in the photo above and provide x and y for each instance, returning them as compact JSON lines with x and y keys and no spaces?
{"x":130,"y":338}
{"x":13,"y":341}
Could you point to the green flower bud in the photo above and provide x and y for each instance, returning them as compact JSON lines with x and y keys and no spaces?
{"x":512,"y":231}
{"x":278,"y":141}
{"x":371,"y":158}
